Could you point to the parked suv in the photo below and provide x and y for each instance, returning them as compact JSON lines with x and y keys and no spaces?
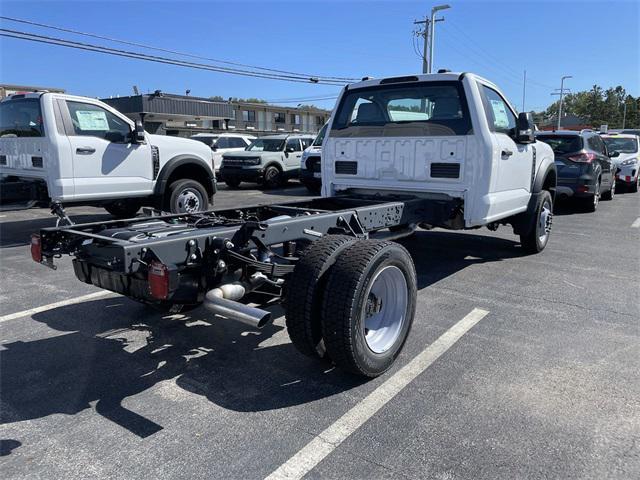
{"x":628,"y":160}
{"x":269,"y":161}
{"x":585,"y":170}
{"x":310,"y":175}
{"x":78,"y":150}
{"x":221,"y":143}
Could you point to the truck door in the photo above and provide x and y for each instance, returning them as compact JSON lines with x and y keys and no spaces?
{"x":293,"y":153}
{"x":512,"y":184}
{"x":105,"y":162}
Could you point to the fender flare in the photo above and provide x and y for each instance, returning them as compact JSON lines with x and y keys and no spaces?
{"x":179,"y":160}
{"x":546,"y":167}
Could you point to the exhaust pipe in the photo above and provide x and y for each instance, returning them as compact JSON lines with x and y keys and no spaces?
{"x":254,"y":317}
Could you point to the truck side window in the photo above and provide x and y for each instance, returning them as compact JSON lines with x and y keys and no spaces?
{"x":499,"y":116}
{"x":94,"y":121}
{"x":294,"y":144}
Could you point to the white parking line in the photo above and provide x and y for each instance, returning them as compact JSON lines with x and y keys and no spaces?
{"x":329,"y":439}
{"x":636,"y":224}
{"x":62,"y":303}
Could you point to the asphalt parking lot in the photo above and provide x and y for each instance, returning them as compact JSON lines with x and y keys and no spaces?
{"x":542,"y":384}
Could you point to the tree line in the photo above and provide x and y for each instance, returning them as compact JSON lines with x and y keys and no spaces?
{"x":597,"y":107}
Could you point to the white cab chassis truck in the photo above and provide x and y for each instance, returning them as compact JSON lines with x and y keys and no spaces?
{"x":444,"y":150}
{"x":77,"y":150}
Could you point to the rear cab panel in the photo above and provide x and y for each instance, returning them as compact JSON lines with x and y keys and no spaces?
{"x":32,"y":147}
{"x":450,"y":159}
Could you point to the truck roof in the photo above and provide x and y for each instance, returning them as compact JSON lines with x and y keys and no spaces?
{"x":282,"y":136}
{"x":422,"y":77}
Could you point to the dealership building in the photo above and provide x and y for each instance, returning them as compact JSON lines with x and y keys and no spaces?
{"x":185,"y":115}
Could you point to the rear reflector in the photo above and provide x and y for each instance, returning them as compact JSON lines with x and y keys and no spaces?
{"x":36,"y":248}
{"x":158,"y":280}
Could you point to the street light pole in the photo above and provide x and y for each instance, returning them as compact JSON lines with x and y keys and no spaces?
{"x":561,"y":97}
{"x":624,"y":115}
{"x":432,"y":25}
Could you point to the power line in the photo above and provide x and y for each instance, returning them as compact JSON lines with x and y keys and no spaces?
{"x":153,"y":58}
{"x":127,"y":42}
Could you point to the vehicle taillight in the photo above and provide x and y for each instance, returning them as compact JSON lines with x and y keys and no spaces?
{"x":158,"y":280}
{"x":587,"y":157}
{"x":36,"y":248}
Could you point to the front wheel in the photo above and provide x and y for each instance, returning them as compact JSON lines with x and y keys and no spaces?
{"x":187,"y":196}
{"x":634,"y":187}
{"x":272,"y":177}
{"x":368,"y":306}
{"x":535,"y":240}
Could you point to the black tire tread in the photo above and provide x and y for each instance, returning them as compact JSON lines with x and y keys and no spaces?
{"x":339,"y":303}
{"x":304,"y":294}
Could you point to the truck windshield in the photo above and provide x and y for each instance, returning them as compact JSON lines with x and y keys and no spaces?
{"x":266,"y":145}
{"x":403,"y":110}
{"x":21,"y":118}
{"x":320,"y":138}
{"x":622,"y":145}
{"x":562,"y":144}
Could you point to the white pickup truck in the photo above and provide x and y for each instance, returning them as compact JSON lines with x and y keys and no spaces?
{"x":444,"y":150}
{"x":78,"y":150}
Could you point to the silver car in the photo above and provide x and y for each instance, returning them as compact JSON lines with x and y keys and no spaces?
{"x":627,"y":160}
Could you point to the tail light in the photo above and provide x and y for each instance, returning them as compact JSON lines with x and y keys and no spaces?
{"x":586,"y":157}
{"x":158,"y":280}
{"x":36,"y":248}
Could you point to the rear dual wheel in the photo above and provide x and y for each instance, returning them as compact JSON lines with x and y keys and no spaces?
{"x":366,"y":300}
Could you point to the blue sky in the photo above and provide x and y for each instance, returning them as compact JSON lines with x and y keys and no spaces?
{"x":596,"y":42}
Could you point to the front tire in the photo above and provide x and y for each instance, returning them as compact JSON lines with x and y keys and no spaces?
{"x":272,"y":177}
{"x":536,"y":239}
{"x":634,"y":187}
{"x":368,"y":306}
{"x":187,"y":196}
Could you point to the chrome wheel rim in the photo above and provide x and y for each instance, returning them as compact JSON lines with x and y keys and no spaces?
{"x":385,"y":309}
{"x":613,"y":189}
{"x":544,"y":222}
{"x":189,"y":201}
{"x":596,"y":195}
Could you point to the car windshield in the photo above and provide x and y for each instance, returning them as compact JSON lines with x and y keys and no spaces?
{"x":266,"y":145}
{"x":206,"y":140}
{"x":320,"y":138}
{"x":562,"y":144}
{"x":622,"y":145}
{"x":401,"y":110}
{"x":21,"y":118}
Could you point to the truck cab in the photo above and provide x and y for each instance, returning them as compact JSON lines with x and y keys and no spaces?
{"x":447,"y":136}
{"x":78,"y":150}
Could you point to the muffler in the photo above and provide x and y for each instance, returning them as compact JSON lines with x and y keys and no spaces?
{"x":255,"y":317}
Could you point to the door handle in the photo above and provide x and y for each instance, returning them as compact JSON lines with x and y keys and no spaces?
{"x":507,"y":153}
{"x":85,"y":150}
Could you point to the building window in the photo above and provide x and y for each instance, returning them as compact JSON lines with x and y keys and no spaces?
{"x":279,"y":117}
{"x":248,"y":116}
{"x":319,"y":120}
{"x":295,"y":119}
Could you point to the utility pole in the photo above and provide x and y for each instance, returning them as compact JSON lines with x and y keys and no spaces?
{"x":424,"y":33}
{"x":562,"y":89}
{"x":524,"y":89}
{"x":428,"y":35}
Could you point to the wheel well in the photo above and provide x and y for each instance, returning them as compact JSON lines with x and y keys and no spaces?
{"x":192,"y":171}
{"x":274,"y":164}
